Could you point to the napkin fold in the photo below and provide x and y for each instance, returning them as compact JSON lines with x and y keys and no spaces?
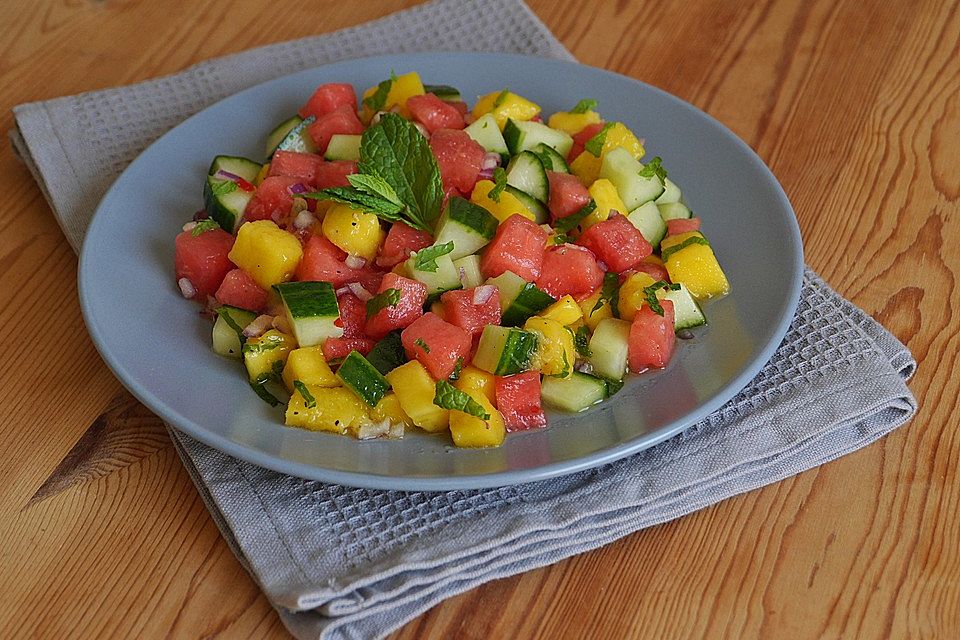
{"x":339,"y":562}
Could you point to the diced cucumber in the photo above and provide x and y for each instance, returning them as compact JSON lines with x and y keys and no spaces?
{"x":469,"y":270}
{"x":686,"y":310}
{"x":647,"y":219}
{"x":298,"y":139}
{"x":275,"y":137}
{"x":445,"y":278}
{"x":623,"y":170}
{"x":228,"y":336}
{"x":609,"y":346}
{"x":504,"y":351}
{"x":388,"y":354}
{"x":671,"y":192}
{"x":361,"y":377}
{"x":575,"y":393}
{"x":552,"y":161}
{"x":519,"y":299}
{"x":443,"y":91}
{"x":526,"y":173}
{"x":225,"y":202}
{"x":538,"y":209}
{"x":486,"y":133}
{"x":343,"y":147}
{"x":674,"y":211}
{"x":243,"y":167}
{"x":526,"y":134}
{"x":312,"y":311}
{"x":469,"y":226}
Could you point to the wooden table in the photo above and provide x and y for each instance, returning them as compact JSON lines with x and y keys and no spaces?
{"x":856,"y":107}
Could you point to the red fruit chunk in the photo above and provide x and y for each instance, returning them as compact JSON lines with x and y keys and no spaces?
{"x":460,"y":309}
{"x":434,"y":113}
{"x":202,"y":259}
{"x":342,"y":121}
{"x":400,"y":241}
{"x":518,"y":246}
{"x":302,"y":166}
{"x":334,"y":348}
{"x":682,"y":225}
{"x":273,"y":198}
{"x":413,"y":295}
{"x":569,"y":269}
{"x":656,"y":271}
{"x":518,"y":399}
{"x":328,"y":98}
{"x":580,"y":139}
{"x":567,"y":194}
{"x":238,"y":289}
{"x":323,"y":261}
{"x":334,"y":174}
{"x":617,"y":243}
{"x":459,"y":157}
{"x":436,"y":344}
{"x":651,"y":338}
{"x":353,"y":315}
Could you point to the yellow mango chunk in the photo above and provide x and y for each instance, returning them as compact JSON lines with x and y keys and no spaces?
{"x":473,"y":432}
{"x":357,"y":232}
{"x":632,"y":296}
{"x":695,"y":265}
{"x":389,"y":409}
{"x":556,"y":353}
{"x":572,"y":123}
{"x":333,"y":409}
{"x":509,"y":204}
{"x":265,"y":355}
{"x":415,"y":390}
{"x":307,"y":365}
{"x":607,"y":198}
{"x":265,"y":251}
{"x":264,"y":172}
{"x":592,"y":314}
{"x":401,"y":88}
{"x":586,"y":166}
{"x":473,"y":379}
{"x":505,"y":105}
{"x":566,"y":311}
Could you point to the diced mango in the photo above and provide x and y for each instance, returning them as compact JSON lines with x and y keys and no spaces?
{"x":632,"y":296}
{"x":592,"y":314}
{"x":473,"y":432}
{"x":505,"y":105}
{"x":389,"y":409}
{"x":556,"y":353}
{"x":333,"y":409}
{"x":264,"y":172}
{"x":508,"y":205}
{"x":566,"y":311}
{"x":266,"y":354}
{"x":607,"y":198}
{"x":415,"y":390}
{"x":307,"y":365}
{"x":474,"y":379}
{"x":401,"y":88}
{"x":357,"y":232}
{"x":586,"y":166}
{"x":572,"y":123}
{"x":695,"y":265}
{"x":265,"y":251}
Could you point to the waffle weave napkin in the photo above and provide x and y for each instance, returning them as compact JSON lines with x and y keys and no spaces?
{"x":339,"y":562}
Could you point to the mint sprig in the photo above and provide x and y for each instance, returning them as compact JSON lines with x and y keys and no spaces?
{"x":595,"y":144}
{"x":384,"y":299}
{"x":654,"y":168}
{"x":669,"y":251}
{"x":650,"y":294}
{"x":499,"y":184}
{"x":426,"y":259}
{"x":587,"y":104}
{"x":207,"y":224}
{"x":308,"y":400}
{"x":609,"y":293}
{"x":568,"y":223}
{"x":353,"y":197}
{"x":449,"y":397}
{"x":222,"y":187}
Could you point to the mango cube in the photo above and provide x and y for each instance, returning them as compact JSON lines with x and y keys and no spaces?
{"x":593,"y":314}
{"x":556,"y":353}
{"x":566,"y":311}
{"x":695,"y":264}
{"x":307,"y":365}
{"x":415,"y":390}
{"x":265,"y":251}
{"x":333,"y":409}
{"x":586,"y":166}
{"x":357,"y":232}
{"x":607,"y":198}
{"x":505,"y":105}
{"x":389,"y":409}
{"x":572,"y":123}
{"x":266,"y":354}
{"x":508,"y":205}
{"x":472,"y":432}
{"x":632,"y":296}
{"x":473,"y":380}
{"x":401,"y":88}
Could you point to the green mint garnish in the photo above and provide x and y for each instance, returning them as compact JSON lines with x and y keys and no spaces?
{"x":609,"y":293}
{"x":563,"y":225}
{"x":499,"y":182}
{"x":669,"y":251}
{"x":265,"y":395}
{"x":426,"y":259}
{"x":378,"y":99}
{"x":587,"y":104}
{"x":207,"y":224}
{"x":308,"y":400}
{"x":449,"y":397}
{"x":581,"y":340}
{"x":612,"y":386}
{"x":223,"y":187}
{"x":423,"y":345}
{"x":374,"y":186}
{"x":224,"y":313}
{"x":384,"y":299}
{"x":654,"y":168}
{"x":501,"y":98}
{"x":650,"y":293}
{"x":457,"y":369}
{"x":260,"y":346}
{"x":595,"y":144}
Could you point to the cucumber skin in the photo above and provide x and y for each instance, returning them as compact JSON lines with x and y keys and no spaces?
{"x":219,"y":212}
{"x":361,"y":377}
{"x":573,"y":394}
{"x":517,"y":353}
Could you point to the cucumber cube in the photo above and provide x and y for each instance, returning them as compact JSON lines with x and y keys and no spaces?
{"x":361,"y":377}
{"x":504,"y":351}
{"x":312,"y":311}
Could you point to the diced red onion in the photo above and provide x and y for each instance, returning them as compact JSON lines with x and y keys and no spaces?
{"x":355,"y":262}
{"x":229,"y":176}
{"x":613,"y":214}
{"x":490,"y":161}
{"x":342,"y":290}
{"x":186,"y":288}
{"x":396,"y":431}
{"x":304,"y":220}
{"x":280,"y":323}
{"x":485,"y":174}
{"x":603,"y":265}
{"x":374,"y":430}
{"x":298,"y":188}
{"x":463,"y":274}
{"x":584,"y":367}
{"x":483,"y":293}
{"x":258,"y":326}
{"x":643,"y":142}
{"x":189,"y":226}
{"x":357,"y":289}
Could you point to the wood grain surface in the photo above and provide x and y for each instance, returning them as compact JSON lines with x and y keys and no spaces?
{"x":855,"y":104}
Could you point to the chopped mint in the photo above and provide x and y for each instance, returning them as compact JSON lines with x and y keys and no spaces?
{"x":654,"y":168}
{"x":449,"y":397}
{"x":595,"y":144}
{"x":426,"y":259}
{"x":587,"y":104}
{"x":669,"y":251}
{"x":568,"y":223}
{"x":207,"y":224}
{"x":609,"y":293}
{"x":384,"y":299}
{"x":650,"y":293}
{"x":423,"y":345}
{"x":500,"y":183}
{"x":581,"y":340}
{"x":223,"y":187}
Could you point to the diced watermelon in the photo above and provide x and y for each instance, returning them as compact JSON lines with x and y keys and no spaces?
{"x":651,"y":338}
{"x":273,"y":198}
{"x":460,"y":309}
{"x":334,"y":348}
{"x":370,"y":278}
{"x":518,"y":399}
{"x":460,"y":106}
{"x":400,"y":241}
{"x":303,"y":166}
{"x":413,"y":295}
{"x":682,"y":225}
{"x":328,"y":98}
{"x":617,"y":243}
{"x":569,"y":270}
{"x":434,"y":113}
{"x":202,"y":259}
{"x":238,"y":289}
{"x":459,"y":157}
{"x":656,"y":271}
{"x":518,"y":246}
{"x":580,"y":139}
{"x":323,"y":261}
{"x":334,"y":173}
{"x":567,"y":194}
{"x":343,"y":120}
{"x":436,"y":344}
{"x":353,"y":315}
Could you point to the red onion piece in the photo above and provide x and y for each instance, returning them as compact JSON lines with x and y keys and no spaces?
{"x":343,"y":290}
{"x":486,"y":174}
{"x":603,"y":265}
{"x":357,"y":289}
{"x":483,"y":293}
{"x":298,"y":188}
{"x":200,"y":215}
{"x":229,"y":176}
{"x":186,"y":288}
{"x":258,"y":326}
{"x":189,"y":226}
{"x":355,"y":262}
{"x":304,"y":220}
{"x":490,"y":161}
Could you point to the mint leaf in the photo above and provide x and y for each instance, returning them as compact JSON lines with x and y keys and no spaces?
{"x":501,"y":98}
{"x":654,"y":168}
{"x":351,"y":196}
{"x":581,"y":340}
{"x":423,"y":345}
{"x":587,"y":104}
{"x":308,"y":400}
{"x":500,"y":183}
{"x":374,"y":186}
{"x":426,"y":259}
{"x":669,"y":251}
{"x":378,"y":99}
{"x":225,"y":314}
{"x":449,"y":397}
{"x":650,"y":293}
{"x":223,"y":187}
{"x":265,"y":395}
{"x":563,"y":225}
{"x":609,"y":293}
{"x":384,"y":299}
{"x":457,"y":369}
{"x":395,"y":151}
{"x":207,"y":224}
{"x":260,"y":346}
{"x":612,"y":386}
{"x":595,"y":144}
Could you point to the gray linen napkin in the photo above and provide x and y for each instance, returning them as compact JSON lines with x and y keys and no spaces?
{"x":339,"y":562}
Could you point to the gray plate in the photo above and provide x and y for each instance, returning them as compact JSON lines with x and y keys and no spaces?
{"x":159,"y":347}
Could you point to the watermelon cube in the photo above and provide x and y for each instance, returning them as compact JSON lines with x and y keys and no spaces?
{"x":343,"y":120}
{"x":239,"y":289}
{"x":273,"y":198}
{"x":335,"y":348}
{"x":518,"y":246}
{"x":436,"y":344}
{"x":651,"y":338}
{"x":617,"y":243}
{"x":400,"y":241}
{"x":328,"y":98}
{"x":472,"y":309}
{"x":433,"y":113}
{"x":459,"y":157}
{"x":567,"y":194}
{"x":682,"y":225}
{"x":323,"y":261}
{"x":518,"y":400}
{"x":334,"y":174}
{"x":353,"y":315}
{"x":202,"y":259}
{"x":413,"y":295}
{"x":569,"y":269}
